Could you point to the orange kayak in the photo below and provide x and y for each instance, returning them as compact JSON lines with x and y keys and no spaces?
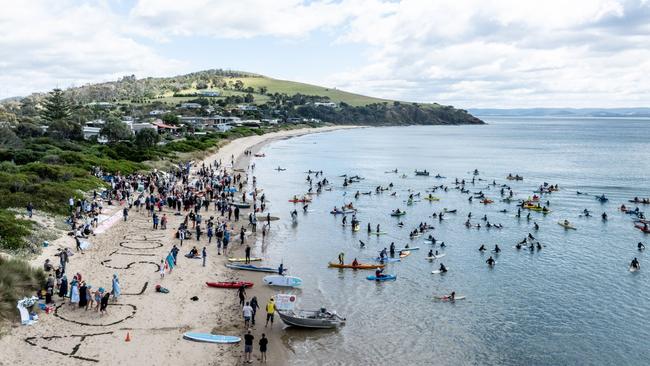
{"x":358,"y":266}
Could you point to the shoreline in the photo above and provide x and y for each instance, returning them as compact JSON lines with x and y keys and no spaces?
{"x":82,"y":336}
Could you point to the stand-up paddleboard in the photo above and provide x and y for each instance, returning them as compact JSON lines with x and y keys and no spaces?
{"x":435,"y":256}
{"x":284,"y":281}
{"x":437,"y":271}
{"x":211,"y":338}
{"x":407,"y":249}
{"x":633,"y":269}
{"x":377,"y":233}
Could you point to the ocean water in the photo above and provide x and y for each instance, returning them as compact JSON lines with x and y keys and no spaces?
{"x":572,"y":303}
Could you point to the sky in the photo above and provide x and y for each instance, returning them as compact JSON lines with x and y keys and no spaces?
{"x":466,"y":53}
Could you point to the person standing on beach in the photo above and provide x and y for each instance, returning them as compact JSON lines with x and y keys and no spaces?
{"x":255,"y":306}
{"x":270,"y":310}
{"x":263,"y":344}
{"x":155,"y":221}
{"x":116,"y":287}
{"x":241,"y":292}
{"x":162,"y":268}
{"x":204,"y":255}
{"x":242,"y":235}
{"x":247,"y":311}
{"x":163,"y":222}
{"x":226,"y":241}
{"x":248,"y":254}
{"x":125,"y":213}
{"x":248,"y":347}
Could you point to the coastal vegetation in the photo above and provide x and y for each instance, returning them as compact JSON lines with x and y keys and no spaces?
{"x":47,"y":155}
{"x":17,"y":280}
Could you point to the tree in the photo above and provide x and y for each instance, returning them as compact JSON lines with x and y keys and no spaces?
{"x":239,"y":85}
{"x":56,"y":107}
{"x":170,"y":119}
{"x":248,"y":98}
{"x":65,"y":130}
{"x":28,"y":129}
{"x":263,"y":90}
{"x":147,"y":138}
{"x":8,"y":138}
{"x":115,"y":130}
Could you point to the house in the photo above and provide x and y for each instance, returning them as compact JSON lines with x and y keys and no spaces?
{"x":245,"y":107}
{"x":162,"y":127}
{"x":137,"y":127}
{"x":268,"y":121}
{"x":325,"y":104}
{"x":190,"y":106}
{"x":251,"y":123}
{"x":90,"y":132}
{"x":157,"y":112}
{"x":209,"y":93}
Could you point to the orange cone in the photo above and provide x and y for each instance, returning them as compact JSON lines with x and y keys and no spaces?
{"x":128,"y":337}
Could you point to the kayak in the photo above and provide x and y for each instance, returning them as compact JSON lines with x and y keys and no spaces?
{"x":404,"y":254}
{"x":642,"y":228}
{"x":229,"y":284}
{"x":633,"y":269}
{"x":448,"y":298}
{"x":398,"y":214}
{"x":566,"y":226}
{"x":358,"y":266}
{"x":382,"y":278}
{"x":339,"y":212}
{"x":241,"y":204}
{"x":387,"y":260}
{"x":432,"y":199}
{"x":485,"y":202}
{"x":253,"y":259}
{"x":249,"y":267}
{"x":435,"y":256}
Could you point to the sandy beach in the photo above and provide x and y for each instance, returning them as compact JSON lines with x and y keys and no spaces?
{"x":154,"y":322}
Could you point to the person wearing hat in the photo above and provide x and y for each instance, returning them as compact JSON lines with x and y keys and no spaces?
{"x":270,"y":310}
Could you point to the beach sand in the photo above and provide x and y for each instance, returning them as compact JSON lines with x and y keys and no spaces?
{"x":155,"y":322}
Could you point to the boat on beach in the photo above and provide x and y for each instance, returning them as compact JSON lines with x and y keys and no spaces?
{"x":315,"y":319}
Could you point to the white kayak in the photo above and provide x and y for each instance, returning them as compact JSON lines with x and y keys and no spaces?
{"x":283,"y":281}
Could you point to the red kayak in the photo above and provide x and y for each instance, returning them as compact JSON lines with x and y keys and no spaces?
{"x":231,"y":284}
{"x":642,"y":228}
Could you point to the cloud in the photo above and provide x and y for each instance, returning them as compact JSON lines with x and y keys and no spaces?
{"x":505,"y":53}
{"x":469,"y":53}
{"x":46,"y":44}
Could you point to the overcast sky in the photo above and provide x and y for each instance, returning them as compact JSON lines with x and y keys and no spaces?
{"x":484,"y":53}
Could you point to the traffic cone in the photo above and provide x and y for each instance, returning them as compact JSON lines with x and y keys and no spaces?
{"x":128,"y":337}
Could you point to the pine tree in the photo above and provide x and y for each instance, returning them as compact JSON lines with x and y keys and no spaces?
{"x":56,"y":107}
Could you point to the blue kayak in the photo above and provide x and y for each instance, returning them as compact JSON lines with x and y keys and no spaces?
{"x":382,"y":278}
{"x":249,"y":267}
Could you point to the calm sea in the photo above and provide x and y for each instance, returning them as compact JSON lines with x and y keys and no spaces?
{"x":572,"y":303}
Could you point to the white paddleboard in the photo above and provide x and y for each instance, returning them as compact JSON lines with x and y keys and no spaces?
{"x":436,"y":256}
{"x":437,"y":271}
{"x":211,"y":338}
{"x":632,"y":269}
{"x":284,"y":281}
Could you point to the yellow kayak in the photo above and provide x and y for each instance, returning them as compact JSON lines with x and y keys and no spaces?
{"x":566,"y":226}
{"x":253,"y":259}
